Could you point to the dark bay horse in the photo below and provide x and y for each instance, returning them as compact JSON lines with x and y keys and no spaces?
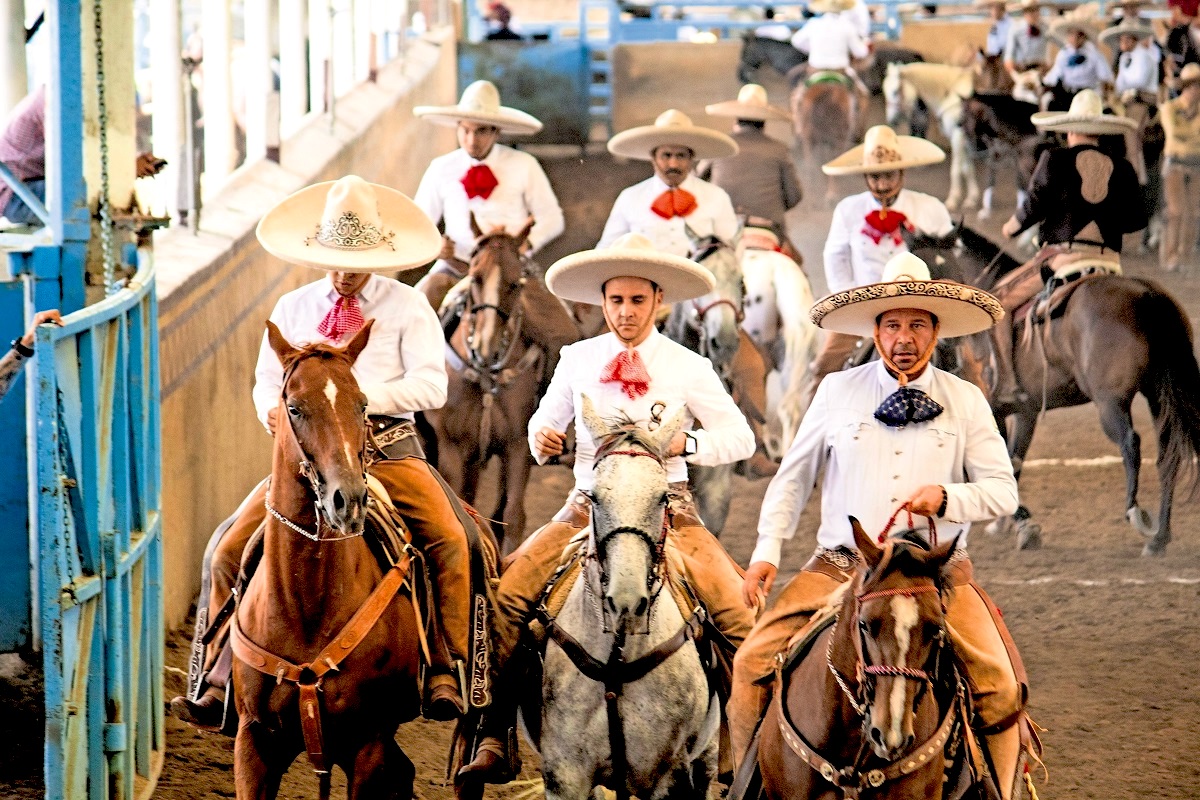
{"x":326,"y":652}
{"x":999,"y":126}
{"x":758,"y":52}
{"x":825,"y":120}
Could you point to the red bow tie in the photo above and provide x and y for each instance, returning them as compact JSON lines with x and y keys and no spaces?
{"x":882,"y":222}
{"x":345,"y":317}
{"x":674,"y":203}
{"x":627,"y":369}
{"x":479,"y":181}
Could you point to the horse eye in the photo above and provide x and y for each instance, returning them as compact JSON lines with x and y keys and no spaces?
{"x":293,"y":410}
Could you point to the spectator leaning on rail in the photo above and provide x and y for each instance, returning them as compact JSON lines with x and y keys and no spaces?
{"x":12,"y":362}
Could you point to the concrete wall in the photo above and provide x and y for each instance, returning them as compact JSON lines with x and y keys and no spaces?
{"x":217,"y":289}
{"x":941,"y":40}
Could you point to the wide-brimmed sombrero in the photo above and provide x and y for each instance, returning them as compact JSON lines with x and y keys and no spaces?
{"x":989,"y":3}
{"x":671,"y":128}
{"x":480,"y":102}
{"x":1081,"y":19}
{"x":1030,"y":5}
{"x":349,"y":225}
{"x":580,"y":278}
{"x":960,"y":309}
{"x":1111,"y":35}
{"x":830,"y":6}
{"x":1086,"y":115}
{"x":1187,"y":76}
{"x":751,"y":103}
{"x":883,"y":150}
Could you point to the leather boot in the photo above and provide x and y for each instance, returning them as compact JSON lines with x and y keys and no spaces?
{"x":445,"y":699}
{"x":1007,"y":394}
{"x":207,"y":713}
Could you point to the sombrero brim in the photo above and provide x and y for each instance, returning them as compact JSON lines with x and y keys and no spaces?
{"x":1109,"y":35}
{"x":960,"y":309}
{"x":1088,"y":124}
{"x":638,"y":143}
{"x":914,"y":153}
{"x":579,"y":278}
{"x":508,"y":120}
{"x":737,"y":110}
{"x":288,"y":232}
{"x":1059,"y":28}
{"x":830,"y":6}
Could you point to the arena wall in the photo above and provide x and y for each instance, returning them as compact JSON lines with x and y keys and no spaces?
{"x":217,"y":288}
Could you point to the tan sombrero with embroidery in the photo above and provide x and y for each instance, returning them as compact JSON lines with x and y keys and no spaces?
{"x":1086,"y":115}
{"x":960,"y":309}
{"x":480,"y":102}
{"x":751,"y":103}
{"x":349,"y":225}
{"x":672,"y":128}
{"x":580,"y":278}
{"x":883,"y":150}
{"x":1111,"y":35}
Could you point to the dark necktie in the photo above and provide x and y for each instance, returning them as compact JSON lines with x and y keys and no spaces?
{"x":907,"y":405}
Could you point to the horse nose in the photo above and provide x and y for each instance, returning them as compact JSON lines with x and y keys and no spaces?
{"x":877,"y":737}
{"x":348,"y":509}
{"x":908,"y":743}
{"x":641,"y":606}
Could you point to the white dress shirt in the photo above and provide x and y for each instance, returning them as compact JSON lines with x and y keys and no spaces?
{"x":714,"y":215}
{"x":997,"y":37}
{"x":523,"y":191}
{"x":860,"y":17}
{"x":871,"y":468}
{"x":401,"y":370}
{"x":1024,"y":49}
{"x":1093,"y":71}
{"x":678,"y":378}
{"x":1138,"y":70}
{"x":830,"y":40}
{"x":852,"y":258}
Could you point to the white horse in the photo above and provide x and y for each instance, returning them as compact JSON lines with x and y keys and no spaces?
{"x":625,"y":700}
{"x":942,"y":88}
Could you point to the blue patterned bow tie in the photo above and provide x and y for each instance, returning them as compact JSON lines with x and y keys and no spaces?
{"x":1076,"y":60}
{"x":907,"y":405}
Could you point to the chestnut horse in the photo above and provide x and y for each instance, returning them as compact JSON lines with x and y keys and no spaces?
{"x":823,"y":113}
{"x":320,"y":627}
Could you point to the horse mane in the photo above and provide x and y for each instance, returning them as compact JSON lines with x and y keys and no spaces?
{"x":623,"y":429}
{"x":909,"y":557}
{"x":316,"y":350}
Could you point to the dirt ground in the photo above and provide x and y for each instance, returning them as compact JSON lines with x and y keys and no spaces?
{"x":1109,"y":637}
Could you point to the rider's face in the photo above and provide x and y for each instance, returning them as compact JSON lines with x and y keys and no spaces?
{"x":477,"y":139}
{"x":905,"y":334}
{"x":1127,"y":42}
{"x":672,"y":163}
{"x":349,"y":284}
{"x":630,"y":305}
{"x":884,"y":186}
{"x":1076,"y":39}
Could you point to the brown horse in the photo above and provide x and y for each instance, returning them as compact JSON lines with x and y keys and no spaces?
{"x":825,"y":119}
{"x":873,"y":701}
{"x":495,"y":370}
{"x":326,"y":654}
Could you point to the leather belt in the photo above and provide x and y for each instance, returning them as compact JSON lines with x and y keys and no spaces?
{"x":395,"y":438}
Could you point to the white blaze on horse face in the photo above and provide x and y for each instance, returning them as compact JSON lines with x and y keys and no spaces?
{"x":905,"y":618}
{"x":331,"y":392}
{"x":486,"y":333}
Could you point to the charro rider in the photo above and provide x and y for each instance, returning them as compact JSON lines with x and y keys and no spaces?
{"x":1085,"y":201}
{"x":832,"y":41}
{"x":352,"y":229}
{"x":1079,"y":64}
{"x":867,"y":228}
{"x":637,"y":372}
{"x":895,"y":433}
{"x":997,"y":35}
{"x":1027,"y":40}
{"x":1136,"y":88}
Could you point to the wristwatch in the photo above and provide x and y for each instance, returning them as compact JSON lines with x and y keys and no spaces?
{"x":22,"y":350}
{"x":689,"y":444}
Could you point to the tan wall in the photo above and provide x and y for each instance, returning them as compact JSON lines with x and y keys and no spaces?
{"x":216,"y":290}
{"x":941,"y":40}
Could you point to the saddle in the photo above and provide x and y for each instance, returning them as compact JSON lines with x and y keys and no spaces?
{"x":829,"y":76}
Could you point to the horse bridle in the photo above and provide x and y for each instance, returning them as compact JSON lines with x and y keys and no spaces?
{"x":708,"y":246}
{"x":513,"y":322}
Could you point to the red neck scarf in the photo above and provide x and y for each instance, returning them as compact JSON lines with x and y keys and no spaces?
{"x":885,"y":223}
{"x":345,"y":317}
{"x":674,"y":203}
{"x":627,"y":369}
{"x":479,"y":181}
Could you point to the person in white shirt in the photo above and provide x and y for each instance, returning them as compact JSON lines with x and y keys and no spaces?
{"x":860,"y":17}
{"x":360,"y":229}
{"x":1079,"y":64}
{"x":771,"y":29}
{"x":890,"y":437}
{"x":832,"y":41}
{"x":673,"y":200}
{"x":1027,"y":40}
{"x":997,"y":35}
{"x":637,"y":373}
{"x":1136,"y":86}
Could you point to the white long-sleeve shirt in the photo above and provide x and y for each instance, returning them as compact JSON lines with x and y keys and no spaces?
{"x":1138,"y":70}
{"x":997,"y":37}
{"x":871,"y":468}
{"x":523,"y":191}
{"x":860,"y":17}
{"x":1089,"y":73}
{"x":852,"y":258}
{"x":678,"y":378}
{"x":401,"y":370}
{"x":1023,"y":48}
{"x":831,"y":41}
{"x":714,"y":215}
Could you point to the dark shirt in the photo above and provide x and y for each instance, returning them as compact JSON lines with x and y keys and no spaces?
{"x":1056,"y":200}
{"x":504,"y":35}
{"x":760,"y":180}
{"x":1181,"y":47}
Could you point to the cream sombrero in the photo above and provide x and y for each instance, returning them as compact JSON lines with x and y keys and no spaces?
{"x":883,"y":150}
{"x":751,"y":103}
{"x":580,"y":278}
{"x":672,"y":128}
{"x":830,"y":6}
{"x":1086,"y":115}
{"x":1187,"y":76}
{"x":1112,"y":34}
{"x":349,"y":225}
{"x":480,"y":102}
{"x":960,"y":309}
{"x":1081,"y":19}
{"x":1030,"y":5}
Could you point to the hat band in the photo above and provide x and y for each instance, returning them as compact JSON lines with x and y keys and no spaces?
{"x":882,"y":155}
{"x":348,"y":232}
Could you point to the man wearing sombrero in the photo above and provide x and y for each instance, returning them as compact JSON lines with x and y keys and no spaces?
{"x":1085,"y":201}
{"x":634,"y":372}
{"x":672,"y":200}
{"x":1001,"y":25}
{"x":1136,"y":87}
{"x":833,"y":40}
{"x":353,"y":230}
{"x":891,"y":435}
{"x":1026,"y":46}
{"x":1079,"y":64}
{"x":868,"y":228}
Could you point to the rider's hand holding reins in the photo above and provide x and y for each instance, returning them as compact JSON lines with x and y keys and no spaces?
{"x":272,"y":415}
{"x":549,"y":442}
{"x":927,"y":501}
{"x":447,"y":251}
{"x":760,"y":576}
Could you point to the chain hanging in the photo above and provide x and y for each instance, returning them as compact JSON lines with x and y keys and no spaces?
{"x":106,"y":221}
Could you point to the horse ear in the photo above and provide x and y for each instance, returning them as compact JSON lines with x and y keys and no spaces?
{"x":476,"y":231}
{"x":693,"y":237}
{"x":356,"y":345}
{"x":523,"y":234}
{"x":595,"y":424}
{"x":282,"y":347}
{"x":666,"y":432}
{"x":871,"y":552}
{"x":941,"y":554}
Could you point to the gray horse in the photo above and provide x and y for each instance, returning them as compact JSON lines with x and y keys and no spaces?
{"x":625,"y":699}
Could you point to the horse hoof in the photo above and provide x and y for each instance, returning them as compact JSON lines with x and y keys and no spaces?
{"x":1154,"y":548}
{"x":1140,"y":519}
{"x":1004,"y":526}
{"x":1029,"y":536}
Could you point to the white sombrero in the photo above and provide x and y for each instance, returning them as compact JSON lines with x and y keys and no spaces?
{"x":830,"y":6}
{"x":989,"y":3}
{"x":883,"y":150}
{"x":1030,"y":5}
{"x":672,"y":128}
{"x":1081,"y":19}
{"x":751,"y":103}
{"x":960,"y":309}
{"x":480,"y":102}
{"x":1188,"y":75}
{"x":1086,"y":115}
{"x":580,"y":278}
{"x":349,"y":225}
{"x":1110,"y":35}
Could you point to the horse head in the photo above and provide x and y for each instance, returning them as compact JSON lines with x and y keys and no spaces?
{"x":629,"y":510}
{"x":901,"y":630}
{"x":899,"y":96}
{"x":321,"y":433}
{"x":940,"y":253}
{"x":497,"y":273}
{"x":716,"y":317}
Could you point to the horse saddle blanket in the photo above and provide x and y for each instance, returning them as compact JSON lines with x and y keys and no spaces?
{"x":829,"y":76}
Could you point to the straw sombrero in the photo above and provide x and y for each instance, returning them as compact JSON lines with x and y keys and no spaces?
{"x":480,"y":102}
{"x":349,"y":225}
{"x":1187,"y":76}
{"x":1082,"y":19}
{"x":751,"y":103}
{"x":1029,"y":5}
{"x":883,"y":150}
{"x":672,"y":128}
{"x":1111,"y":35}
{"x":959,"y":308}
{"x":580,"y":278}
{"x":989,"y":3}
{"x":830,"y":6}
{"x":1086,"y":115}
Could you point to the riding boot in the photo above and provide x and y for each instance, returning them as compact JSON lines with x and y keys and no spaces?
{"x":496,"y":759}
{"x":1004,"y":751}
{"x":1008,"y":393}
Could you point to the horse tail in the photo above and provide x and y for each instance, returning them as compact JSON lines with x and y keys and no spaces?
{"x":1174,"y":383}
